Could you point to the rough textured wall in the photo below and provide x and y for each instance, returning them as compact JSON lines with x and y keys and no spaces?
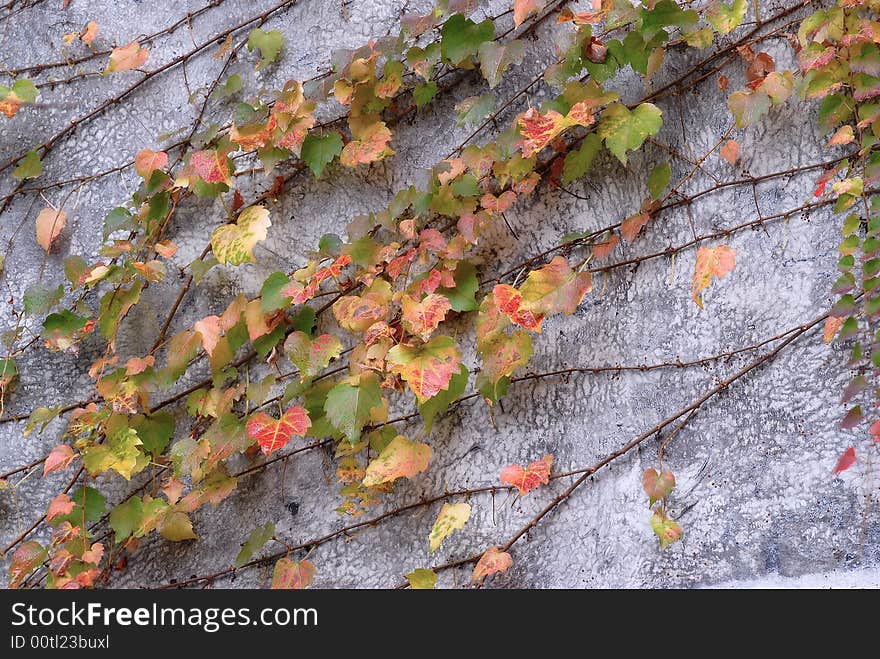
{"x":756,"y":496}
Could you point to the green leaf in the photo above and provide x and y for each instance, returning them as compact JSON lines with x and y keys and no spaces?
{"x":126,"y":517}
{"x":120,"y":453}
{"x":89,"y":501}
{"x":114,"y":306}
{"x":269,"y":44}
{"x":664,"y":14}
{"x":625,"y":131}
{"x":441,"y":402}
{"x":495,"y":59}
{"x":665,"y":529}
{"x":29,"y":167}
{"x":39,"y":300}
{"x":726,"y":18}
{"x":422,"y":579}
{"x":658,"y":179}
{"x":318,"y":152}
{"x":155,"y":431}
{"x":460,"y":38}
{"x":117,"y":219}
{"x":578,"y":162}
{"x":424,"y":93}
{"x":231,"y":86}
{"x":475,"y":109}
{"x":270,"y":293}
{"x":255,"y":542}
{"x":348,"y":406}
{"x":177,"y":527}
{"x":25,"y":90}
{"x":463,"y":296}
{"x":748,"y":107}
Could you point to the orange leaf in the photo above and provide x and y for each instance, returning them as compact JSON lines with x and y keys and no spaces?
{"x":60,"y":505}
{"x":59,"y":458}
{"x":165,"y":248}
{"x":603,"y":249}
{"x":372,"y":146}
{"x":522,"y":9}
{"x":272,"y":434}
{"x":832,"y":327}
{"x":525,"y":480}
{"x":844,"y":135}
{"x":711,"y":262}
{"x":730,"y":151}
{"x":89,"y":33}
{"x":209,"y":330}
{"x":148,"y":161}
{"x":290,"y":575}
{"x":494,"y":560}
{"x":632,"y":225}
{"x":126,"y":58}
{"x":49,"y":225}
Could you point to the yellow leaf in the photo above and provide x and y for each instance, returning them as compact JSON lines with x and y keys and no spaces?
{"x":452,"y":517}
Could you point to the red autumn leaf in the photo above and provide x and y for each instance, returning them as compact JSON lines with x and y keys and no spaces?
{"x":59,"y":458}
{"x":509,"y":300}
{"x":492,"y":561}
{"x":632,"y":225}
{"x":211,"y":165}
{"x":657,"y":485}
{"x":427,"y":368}
{"x":422,"y":318}
{"x":847,"y":460}
{"x":525,"y":480}
{"x":272,"y":434}
{"x":290,"y":575}
{"x":126,"y":58}
{"x":49,"y":225}
{"x":148,"y":161}
{"x":711,"y":262}
{"x":60,"y":505}
{"x":730,"y":151}
{"x":875,"y":431}
{"x":538,"y":130}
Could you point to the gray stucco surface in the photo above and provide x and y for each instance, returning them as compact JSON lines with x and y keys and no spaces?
{"x":756,"y":496}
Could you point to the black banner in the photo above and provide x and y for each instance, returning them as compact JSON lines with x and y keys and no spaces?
{"x":395,"y":622}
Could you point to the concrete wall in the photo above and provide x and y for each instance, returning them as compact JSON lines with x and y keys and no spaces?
{"x":756,"y":496}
